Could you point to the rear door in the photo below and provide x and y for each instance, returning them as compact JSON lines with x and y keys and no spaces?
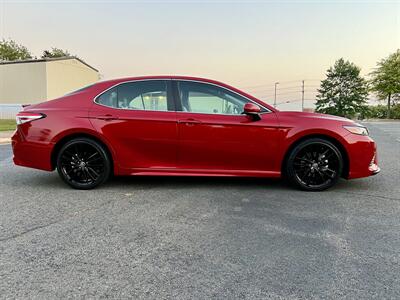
{"x":138,"y":119}
{"x":215,"y":135}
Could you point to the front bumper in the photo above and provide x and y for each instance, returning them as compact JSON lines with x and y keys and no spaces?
{"x":363,"y":157}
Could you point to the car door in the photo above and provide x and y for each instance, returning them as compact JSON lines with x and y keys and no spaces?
{"x":138,"y":119}
{"x":215,"y":135}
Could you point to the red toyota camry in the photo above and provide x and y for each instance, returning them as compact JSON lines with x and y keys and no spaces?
{"x":174,"y":125}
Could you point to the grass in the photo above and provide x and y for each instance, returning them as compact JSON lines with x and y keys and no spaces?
{"x":7,"y":125}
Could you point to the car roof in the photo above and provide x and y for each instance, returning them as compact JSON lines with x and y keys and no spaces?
{"x":151,"y":77}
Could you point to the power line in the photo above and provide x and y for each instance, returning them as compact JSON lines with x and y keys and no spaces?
{"x":271,"y":85}
{"x":280,"y":94}
{"x":287,"y":91}
{"x":292,"y":101}
{"x":284,"y":94}
{"x":284,"y":88}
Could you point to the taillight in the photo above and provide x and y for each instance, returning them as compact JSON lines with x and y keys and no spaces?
{"x":24,"y":117}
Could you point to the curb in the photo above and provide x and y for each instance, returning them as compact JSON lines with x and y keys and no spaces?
{"x":5,"y":141}
{"x":381,"y":120}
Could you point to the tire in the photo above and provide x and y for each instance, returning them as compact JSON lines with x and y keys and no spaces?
{"x":314,"y":165}
{"x":83,"y":163}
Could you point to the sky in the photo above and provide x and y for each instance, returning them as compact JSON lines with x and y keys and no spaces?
{"x":249,"y":44}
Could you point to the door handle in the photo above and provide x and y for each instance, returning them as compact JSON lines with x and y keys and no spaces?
{"x":107,"y":117}
{"x":189,"y":122}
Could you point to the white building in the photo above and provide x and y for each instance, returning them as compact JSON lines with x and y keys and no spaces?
{"x":37,"y":80}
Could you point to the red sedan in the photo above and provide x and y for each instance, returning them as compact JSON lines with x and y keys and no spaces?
{"x":185,"y":126}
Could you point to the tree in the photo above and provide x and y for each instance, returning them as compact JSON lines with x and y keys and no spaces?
{"x":385,"y":79}
{"x":344,"y":92}
{"x":55,"y":52}
{"x":10,"y":50}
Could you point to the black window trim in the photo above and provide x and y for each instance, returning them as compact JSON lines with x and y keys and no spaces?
{"x":170,"y":97}
{"x":173,"y":98}
{"x":178,"y":102}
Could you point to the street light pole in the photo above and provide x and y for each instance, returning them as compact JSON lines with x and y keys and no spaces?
{"x":276,"y":83}
{"x":302,"y":95}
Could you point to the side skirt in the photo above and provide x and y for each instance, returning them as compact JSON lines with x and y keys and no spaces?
{"x":197,"y":172}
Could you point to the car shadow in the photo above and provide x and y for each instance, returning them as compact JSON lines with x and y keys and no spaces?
{"x":52,"y":180}
{"x":182,"y":182}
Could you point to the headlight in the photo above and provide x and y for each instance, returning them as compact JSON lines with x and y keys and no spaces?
{"x":360,"y":130}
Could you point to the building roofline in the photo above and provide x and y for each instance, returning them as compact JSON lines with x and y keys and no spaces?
{"x":47,"y":60}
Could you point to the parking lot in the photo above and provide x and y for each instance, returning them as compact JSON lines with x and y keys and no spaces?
{"x":201,"y":238}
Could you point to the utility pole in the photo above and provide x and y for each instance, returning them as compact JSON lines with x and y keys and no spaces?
{"x":302,"y":95}
{"x":276,"y":83}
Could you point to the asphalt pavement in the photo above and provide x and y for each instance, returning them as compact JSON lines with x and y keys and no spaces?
{"x":201,"y":238}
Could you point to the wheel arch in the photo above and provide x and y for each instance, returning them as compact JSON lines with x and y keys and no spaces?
{"x":73,"y":135}
{"x":333,"y":140}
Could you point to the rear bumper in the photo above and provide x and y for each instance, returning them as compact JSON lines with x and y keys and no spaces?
{"x":30,"y":154}
{"x":363,"y":157}
{"x":374,"y":169}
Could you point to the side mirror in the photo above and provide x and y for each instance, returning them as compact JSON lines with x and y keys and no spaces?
{"x":252,"y":110}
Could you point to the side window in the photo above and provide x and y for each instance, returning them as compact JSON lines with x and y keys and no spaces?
{"x":108,"y":98}
{"x":141,"y":95}
{"x":209,"y":99}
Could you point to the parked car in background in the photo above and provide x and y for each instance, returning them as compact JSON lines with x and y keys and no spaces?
{"x":175,"y":125}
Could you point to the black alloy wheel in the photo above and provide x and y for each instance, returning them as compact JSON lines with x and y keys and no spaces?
{"x":83,"y":163}
{"x":314,"y":165}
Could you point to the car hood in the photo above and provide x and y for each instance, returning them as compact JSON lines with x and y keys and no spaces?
{"x":314,"y":116}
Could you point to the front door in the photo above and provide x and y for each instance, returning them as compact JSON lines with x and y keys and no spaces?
{"x":139,"y":120}
{"x":214,"y":135}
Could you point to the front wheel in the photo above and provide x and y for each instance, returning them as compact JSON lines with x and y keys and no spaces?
{"x":83,"y":163}
{"x":314,"y":165}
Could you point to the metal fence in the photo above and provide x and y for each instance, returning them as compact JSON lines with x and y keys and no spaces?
{"x":8,"y":111}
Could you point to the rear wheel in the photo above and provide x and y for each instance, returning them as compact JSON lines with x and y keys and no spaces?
{"x":314,"y":165}
{"x":83,"y":163}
